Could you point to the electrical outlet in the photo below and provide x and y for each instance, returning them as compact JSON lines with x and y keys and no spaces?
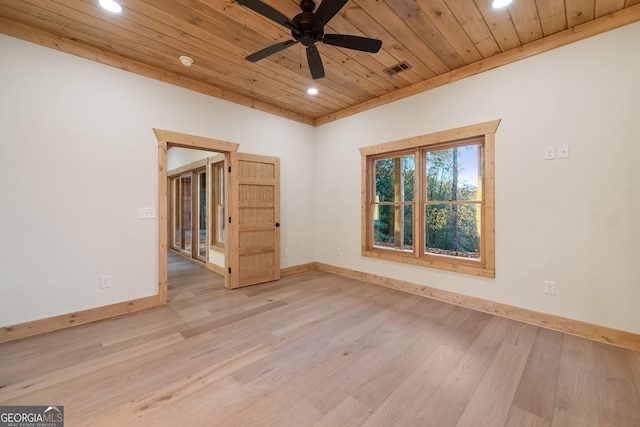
{"x":338,"y":252}
{"x":285,"y":252}
{"x":549,"y":287}
{"x":105,"y":281}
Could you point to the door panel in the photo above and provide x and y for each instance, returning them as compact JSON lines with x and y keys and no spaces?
{"x":254,"y":221}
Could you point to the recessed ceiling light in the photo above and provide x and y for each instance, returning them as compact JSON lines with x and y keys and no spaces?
{"x":186,"y":61}
{"x":111,"y":6}
{"x":312,"y":91}
{"x":499,"y":4}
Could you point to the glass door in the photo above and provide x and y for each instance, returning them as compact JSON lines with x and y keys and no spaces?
{"x":176,"y":230}
{"x":181,"y":218}
{"x":200,"y":208}
{"x":188,"y":212}
{"x":185,"y":214}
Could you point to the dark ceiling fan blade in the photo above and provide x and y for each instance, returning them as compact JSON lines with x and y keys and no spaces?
{"x":270,"y":50}
{"x":326,"y":11}
{"x":315,"y":62}
{"x":269,"y":12}
{"x":363,"y":44}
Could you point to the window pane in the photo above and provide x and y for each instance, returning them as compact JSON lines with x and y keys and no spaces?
{"x":452,"y":174}
{"x":219,"y":217}
{"x":220,"y":229}
{"x":185,"y":217}
{"x":176,"y":230}
{"x":220,"y":169}
{"x":452,"y":230}
{"x":392,"y":171}
{"x":202,"y":214}
{"x":389,"y":232}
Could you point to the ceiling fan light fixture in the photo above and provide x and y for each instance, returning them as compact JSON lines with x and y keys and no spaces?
{"x":186,"y":61}
{"x":110,"y":5}
{"x":312,"y":91}
{"x":499,"y":4}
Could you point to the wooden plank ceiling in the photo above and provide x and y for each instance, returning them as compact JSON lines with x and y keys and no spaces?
{"x":440,"y":40}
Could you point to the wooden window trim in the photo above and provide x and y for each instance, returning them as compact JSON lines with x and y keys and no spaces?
{"x":485,"y":132}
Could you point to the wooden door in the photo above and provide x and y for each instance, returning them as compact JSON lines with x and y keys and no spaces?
{"x":254,"y":221}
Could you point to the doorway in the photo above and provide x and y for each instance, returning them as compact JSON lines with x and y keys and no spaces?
{"x":252,"y":221}
{"x":166,"y":140}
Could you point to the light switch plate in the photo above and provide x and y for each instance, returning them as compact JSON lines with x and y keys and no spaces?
{"x":146,"y":213}
{"x":550,"y":152}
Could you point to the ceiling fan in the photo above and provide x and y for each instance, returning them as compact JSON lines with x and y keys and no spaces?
{"x":307,"y":28}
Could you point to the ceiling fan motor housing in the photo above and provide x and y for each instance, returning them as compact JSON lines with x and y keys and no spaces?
{"x":307,"y":28}
{"x":305,"y":21}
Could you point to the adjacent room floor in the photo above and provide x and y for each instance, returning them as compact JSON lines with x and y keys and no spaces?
{"x":317,"y":350}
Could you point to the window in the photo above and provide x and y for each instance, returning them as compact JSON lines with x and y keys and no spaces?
{"x":201,"y":211}
{"x":430,"y":200}
{"x":218,"y":235}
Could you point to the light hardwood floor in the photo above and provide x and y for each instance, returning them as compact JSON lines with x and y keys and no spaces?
{"x":318,"y":350}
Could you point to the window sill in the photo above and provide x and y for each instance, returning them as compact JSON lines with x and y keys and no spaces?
{"x":217,"y":248}
{"x":433,"y":261}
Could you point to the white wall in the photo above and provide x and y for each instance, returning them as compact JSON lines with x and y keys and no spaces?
{"x":78,"y":157}
{"x":574,"y":221}
{"x":178,"y":157}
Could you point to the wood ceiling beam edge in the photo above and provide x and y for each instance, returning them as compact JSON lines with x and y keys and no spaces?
{"x":580,"y":32}
{"x":50,"y":40}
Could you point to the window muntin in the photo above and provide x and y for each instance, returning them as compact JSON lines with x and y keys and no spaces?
{"x":440,"y":212}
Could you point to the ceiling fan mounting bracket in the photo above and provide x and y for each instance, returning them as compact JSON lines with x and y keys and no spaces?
{"x":307,"y":6}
